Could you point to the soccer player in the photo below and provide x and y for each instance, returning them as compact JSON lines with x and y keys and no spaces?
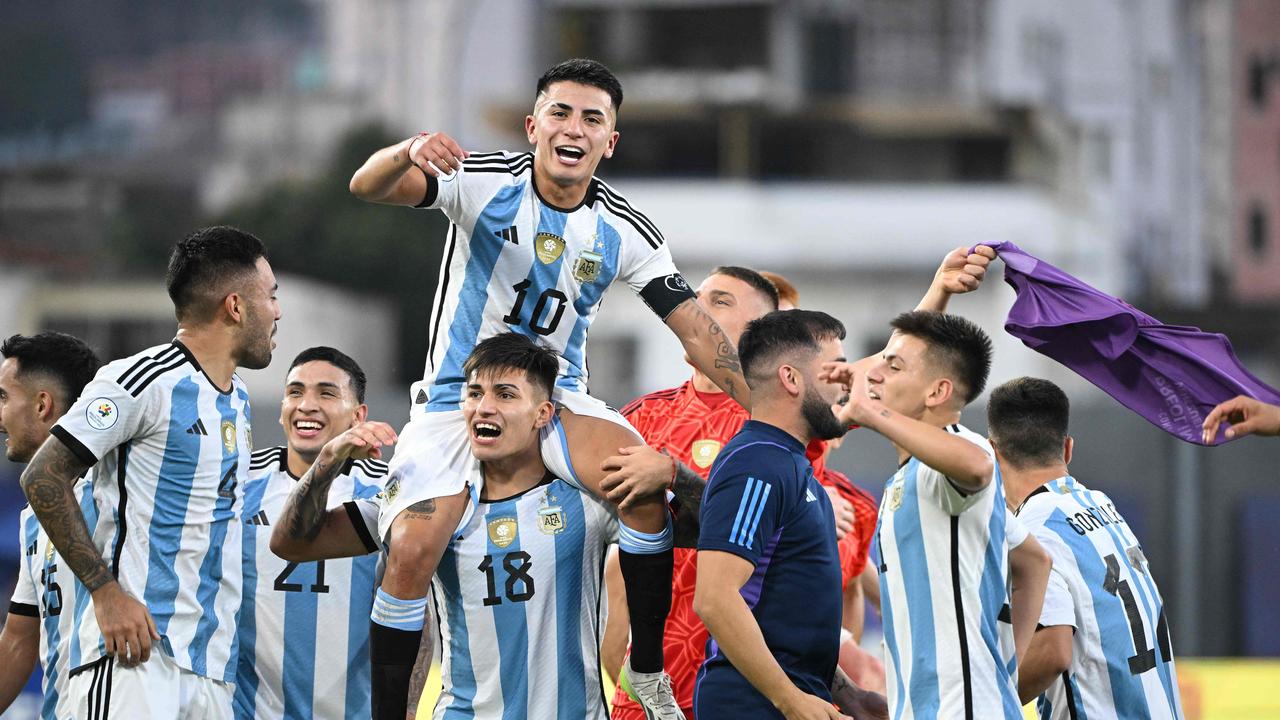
{"x":296,"y":660}
{"x":535,"y":241}
{"x":1243,"y":415}
{"x":1102,"y":649}
{"x":519,"y":586}
{"x":944,"y":533}
{"x":40,"y":377}
{"x":167,"y":434}
{"x":768,"y":584}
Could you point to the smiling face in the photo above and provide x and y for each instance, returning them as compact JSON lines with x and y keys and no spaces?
{"x":571,"y":129}
{"x":319,"y":404}
{"x":504,"y":412}
{"x":902,"y":377}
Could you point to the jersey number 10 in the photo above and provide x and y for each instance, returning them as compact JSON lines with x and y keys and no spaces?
{"x":549,"y":295}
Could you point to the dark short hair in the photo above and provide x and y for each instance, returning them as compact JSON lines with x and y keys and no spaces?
{"x":200,"y":264}
{"x":513,"y":351}
{"x":752,"y":278}
{"x":780,"y":336}
{"x":957,"y":346}
{"x":1027,"y":418}
{"x":64,"y":358}
{"x":583,"y":71}
{"x":338,"y":359}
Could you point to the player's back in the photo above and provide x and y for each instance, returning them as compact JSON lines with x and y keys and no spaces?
{"x":518,"y":602}
{"x":943,"y":594}
{"x":172,"y":453}
{"x":514,"y":262}
{"x":1122,"y":659}
{"x":50,"y":592}
{"x":304,"y":627}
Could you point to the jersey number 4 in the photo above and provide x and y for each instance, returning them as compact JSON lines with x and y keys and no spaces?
{"x":1145,"y":659}
{"x":517,"y":564}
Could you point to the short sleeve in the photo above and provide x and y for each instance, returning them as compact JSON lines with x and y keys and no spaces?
{"x":943,"y":491}
{"x":1015,"y":533}
{"x":106,"y":416}
{"x":1058,"y":607}
{"x":463,"y":194}
{"x":364,"y":518}
{"x":740,"y":513}
{"x":25,"y":592}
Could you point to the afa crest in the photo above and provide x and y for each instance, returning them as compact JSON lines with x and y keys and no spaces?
{"x":502,"y":531}
{"x":551,"y":520}
{"x":548,"y":247}
{"x":587,"y":267}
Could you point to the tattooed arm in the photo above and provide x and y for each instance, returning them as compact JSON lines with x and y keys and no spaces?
{"x":710,"y":349}
{"x":308,"y":529}
{"x":421,"y":668}
{"x":126,"y":625}
{"x":688,"y":487}
{"x":855,"y":702}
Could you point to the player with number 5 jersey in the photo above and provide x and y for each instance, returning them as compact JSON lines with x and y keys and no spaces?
{"x":1102,"y":649}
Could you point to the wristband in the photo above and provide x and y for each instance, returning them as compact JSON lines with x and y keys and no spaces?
{"x":675,"y":472}
{"x":420,"y":136}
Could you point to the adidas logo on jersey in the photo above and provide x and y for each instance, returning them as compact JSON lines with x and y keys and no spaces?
{"x":259,"y":519}
{"x":197,"y":428}
{"x":421,"y":399}
{"x":510,"y":235}
{"x":809,"y":496}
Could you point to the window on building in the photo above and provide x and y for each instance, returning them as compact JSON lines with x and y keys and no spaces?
{"x":1259,"y":74}
{"x":1259,"y":232}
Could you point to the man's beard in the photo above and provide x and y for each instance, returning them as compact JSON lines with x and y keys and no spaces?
{"x":256,"y":353}
{"x":817,"y":413}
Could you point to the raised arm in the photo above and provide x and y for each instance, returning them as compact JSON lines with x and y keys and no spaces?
{"x":308,"y":529}
{"x":961,"y":271}
{"x":126,"y":625}
{"x":402,"y":174}
{"x":710,"y":349}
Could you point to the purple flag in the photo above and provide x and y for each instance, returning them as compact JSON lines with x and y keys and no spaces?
{"x":1170,"y":375}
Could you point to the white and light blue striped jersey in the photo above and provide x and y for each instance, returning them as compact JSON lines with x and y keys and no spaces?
{"x":49,"y":591}
{"x":1101,"y":585}
{"x":514,"y":262}
{"x":304,"y":627}
{"x":518,"y":602}
{"x":944,"y":591}
{"x":172,"y":453}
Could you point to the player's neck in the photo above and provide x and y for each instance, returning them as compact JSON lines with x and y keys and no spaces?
{"x":703,"y":384}
{"x":298,"y":462}
{"x":560,"y":196}
{"x":784,"y":417}
{"x":210,"y":349}
{"x":1019,"y":483}
{"x":514,"y":474}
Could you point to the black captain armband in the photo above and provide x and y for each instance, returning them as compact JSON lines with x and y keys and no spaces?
{"x":664,"y":294}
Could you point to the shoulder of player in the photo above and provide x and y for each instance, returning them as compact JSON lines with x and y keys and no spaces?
{"x":136,"y":373}
{"x":501,"y":162}
{"x":1038,"y":509}
{"x":610,"y":202}
{"x":746,"y":455}
{"x":267,"y":459}
{"x":656,"y":401}
{"x":973,"y":437}
{"x":368,"y":468}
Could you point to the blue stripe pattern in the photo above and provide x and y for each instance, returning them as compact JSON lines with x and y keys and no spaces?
{"x":992,"y":591}
{"x":462,"y":676}
{"x":464,"y":330}
{"x":363,"y":584}
{"x":1109,"y":614}
{"x":754,"y":498}
{"x":1079,"y":699}
{"x":89,"y":507}
{"x":511,"y":624}
{"x":909,"y":537}
{"x":53,"y":637}
{"x":211,"y":566}
{"x":299,"y":669}
{"x":571,"y":687}
{"x":246,"y":696}
{"x":608,"y":244}
{"x":173,"y":494}
{"x":542,"y":277}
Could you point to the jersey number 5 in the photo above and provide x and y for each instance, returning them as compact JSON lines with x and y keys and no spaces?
{"x":1145,"y":659}
{"x":52,"y":591}
{"x":517,"y":564}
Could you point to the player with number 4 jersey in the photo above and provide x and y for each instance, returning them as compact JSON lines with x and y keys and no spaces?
{"x":1102,"y":650}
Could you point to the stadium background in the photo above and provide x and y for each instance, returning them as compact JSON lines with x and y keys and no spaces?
{"x":845,"y":143}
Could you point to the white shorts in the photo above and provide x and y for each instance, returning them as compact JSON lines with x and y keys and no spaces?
{"x":156,"y":690}
{"x":433,"y":457}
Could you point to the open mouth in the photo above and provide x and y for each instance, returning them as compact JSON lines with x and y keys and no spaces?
{"x":873,"y":394}
{"x":569,"y":154}
{"x":307,"y":428}
{"x":486,"y":431}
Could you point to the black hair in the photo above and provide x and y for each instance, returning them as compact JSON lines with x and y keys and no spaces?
{"x":955,"y":344}
{"x":1027,"y":418}
{"x":585,"y":72}
{"x":201,"y":263}
{"x":67,"y":359}
{"x":752,"y":278}
{"x":338,"y":359}
{"x":779,"y":336}
{"x":513,"y":351}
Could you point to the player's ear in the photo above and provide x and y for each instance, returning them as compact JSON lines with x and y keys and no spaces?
{"x":45,"y":409}
{"x":528,"y":129}
{"x":1067,"y":448}
{"x":791,"y":380}
{"x":362,"y":412}
{"x":233,"y":305}
{"x":546,"y":411}
{"x":940,"y":392}
{"x":613,"y":143}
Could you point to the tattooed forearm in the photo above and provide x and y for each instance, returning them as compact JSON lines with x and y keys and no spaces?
{"x":688,"y":488}
{"x":47,"y":483}
{"x":710,"y":349}
{"x":421,"y":668}
{"x":304,"y":512}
